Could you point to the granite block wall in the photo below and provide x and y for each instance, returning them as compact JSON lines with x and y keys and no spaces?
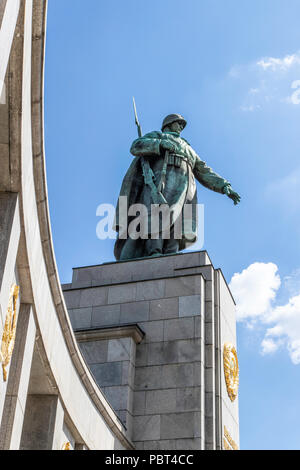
{"x":168,"y":389}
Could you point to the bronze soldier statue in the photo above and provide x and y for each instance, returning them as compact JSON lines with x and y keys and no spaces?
{"x":164,"y":171}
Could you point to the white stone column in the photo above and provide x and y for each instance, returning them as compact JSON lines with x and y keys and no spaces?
{"x":43,"y":423}
{"x":59,"y":436}
{"x":18,"y":380}
{"x":229,"y":419}
{"x":219,"y":371}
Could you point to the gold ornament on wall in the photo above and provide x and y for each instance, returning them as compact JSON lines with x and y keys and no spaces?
{"x":9,"y":331}
{"x":231,"y":370}
{"x":66,"y":446}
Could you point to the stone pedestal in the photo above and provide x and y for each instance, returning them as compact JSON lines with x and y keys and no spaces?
{"x":153,"y":332}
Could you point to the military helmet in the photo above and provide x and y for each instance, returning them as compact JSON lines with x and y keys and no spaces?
{"x":173,"y":118}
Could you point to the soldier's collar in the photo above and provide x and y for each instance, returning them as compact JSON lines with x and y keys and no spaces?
{"x":173,"y":133}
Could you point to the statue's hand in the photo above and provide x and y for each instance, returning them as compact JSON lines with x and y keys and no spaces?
{"x":232,"y":194}
{"x":167,"y":145}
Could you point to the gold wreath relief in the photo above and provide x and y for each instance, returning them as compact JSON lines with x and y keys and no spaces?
{"x":9,"y":331}
{"x":231,"y":370}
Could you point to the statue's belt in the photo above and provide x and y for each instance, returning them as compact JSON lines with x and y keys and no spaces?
{"x":178,"y":160}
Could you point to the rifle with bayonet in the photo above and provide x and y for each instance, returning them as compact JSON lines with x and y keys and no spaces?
{"x":148,"y":174}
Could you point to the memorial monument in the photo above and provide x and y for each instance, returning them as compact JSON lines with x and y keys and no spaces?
{"x":157,"y":327}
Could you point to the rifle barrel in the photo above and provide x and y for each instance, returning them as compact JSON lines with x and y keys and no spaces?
{"x":137,"y":120}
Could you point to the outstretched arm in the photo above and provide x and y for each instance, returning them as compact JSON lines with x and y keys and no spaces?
{"x":232,"y":194}
{"x":211,"y":180}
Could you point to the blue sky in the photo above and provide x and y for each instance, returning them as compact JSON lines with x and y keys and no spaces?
{"x":233,"y":70}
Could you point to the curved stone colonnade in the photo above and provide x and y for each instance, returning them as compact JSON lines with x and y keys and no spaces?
{"x":48,"y":398}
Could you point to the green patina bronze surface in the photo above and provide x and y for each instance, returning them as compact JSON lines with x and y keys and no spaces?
{"x":175,"y":165}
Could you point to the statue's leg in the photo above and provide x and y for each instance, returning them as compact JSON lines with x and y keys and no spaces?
{"x":132,"y":249}
{"x":171,"y":245}
{"x":154,"y":247}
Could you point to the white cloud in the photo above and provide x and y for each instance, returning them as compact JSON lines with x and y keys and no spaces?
{"x":294,"y":350}
{"x":255,"y":290}
{"x":276,"y":63}
{"x":295,"y":96}
{"x":292,"y":283}
{"x":287,"y":327}
{"x":269,"y":79}
{"x":268,"y":346}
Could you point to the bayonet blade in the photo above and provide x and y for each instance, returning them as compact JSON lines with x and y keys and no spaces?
{"x":136,"y":119}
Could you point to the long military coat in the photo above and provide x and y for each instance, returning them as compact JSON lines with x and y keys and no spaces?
{"x":180,"y":187}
